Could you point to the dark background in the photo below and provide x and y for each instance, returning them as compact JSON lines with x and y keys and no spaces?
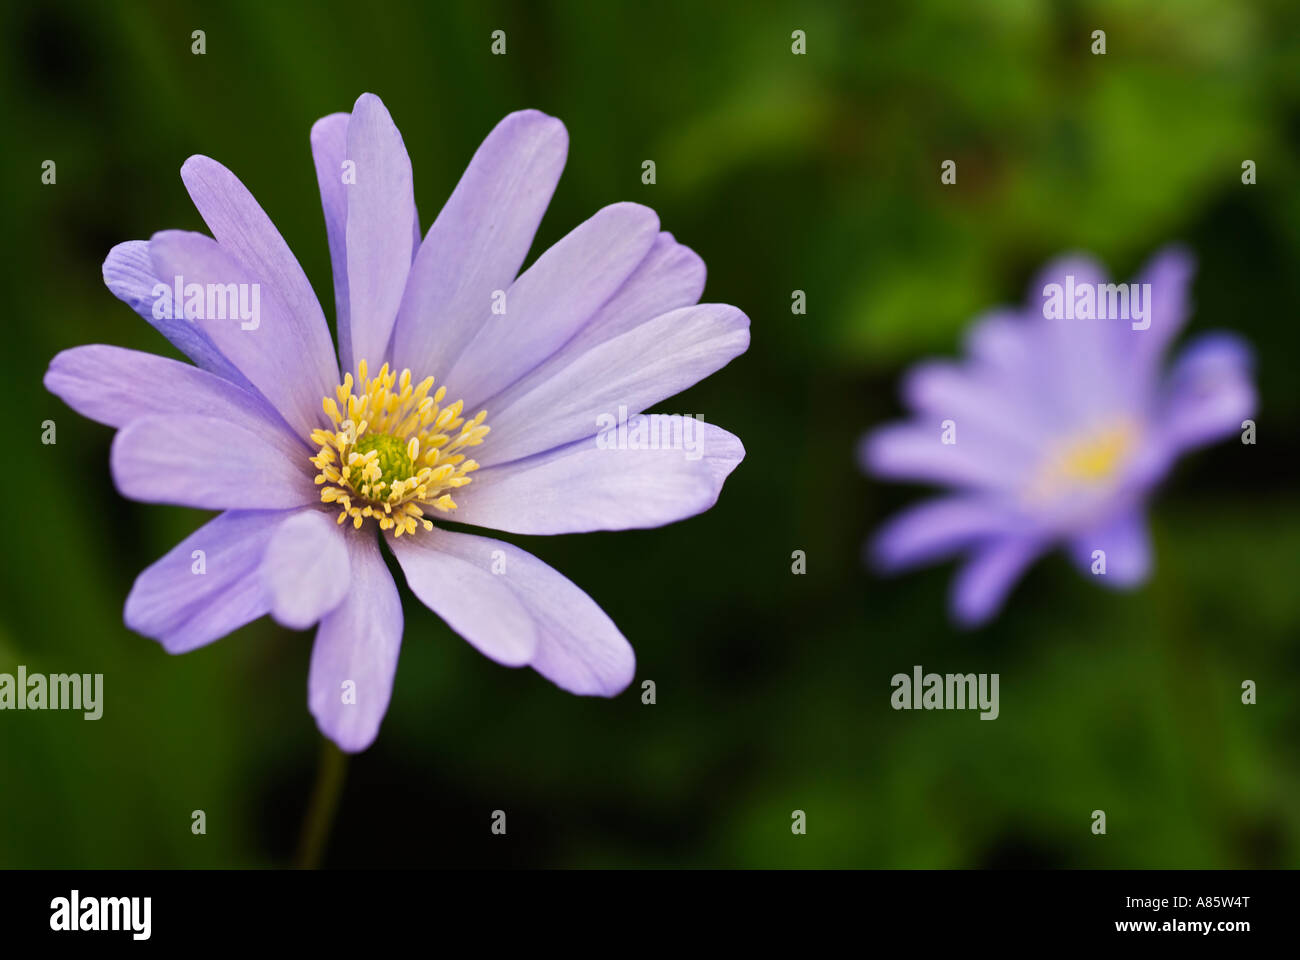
{"x":816,"y":172}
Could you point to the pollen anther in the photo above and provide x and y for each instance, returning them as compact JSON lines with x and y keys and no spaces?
{"x":395,"y":452}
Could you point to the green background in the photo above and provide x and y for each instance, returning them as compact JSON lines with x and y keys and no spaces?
{"x":816,"y":172}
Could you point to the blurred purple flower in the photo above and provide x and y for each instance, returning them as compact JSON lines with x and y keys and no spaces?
{"x":1054,"y":431}
{"x":606,"y":318}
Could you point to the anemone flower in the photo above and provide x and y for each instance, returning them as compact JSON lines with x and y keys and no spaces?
{"x":313,"y":469}
{"x":1055,"y":430}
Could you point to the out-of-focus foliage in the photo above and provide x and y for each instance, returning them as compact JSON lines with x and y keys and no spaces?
{"x":816,"y":172}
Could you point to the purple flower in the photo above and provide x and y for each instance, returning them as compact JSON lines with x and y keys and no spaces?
{"x":1055,"y":430}
{"x":312,"y":469}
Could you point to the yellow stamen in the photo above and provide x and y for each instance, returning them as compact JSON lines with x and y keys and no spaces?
{"x":1086,"y":462}
{"x":394,"y":450}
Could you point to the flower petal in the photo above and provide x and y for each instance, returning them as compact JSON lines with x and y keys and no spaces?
{"x":244,"y":230}
{"x":329,"y":148}
{"x":999,"y":343}
{"x":982,"y":584}
{"x":306,"y":568}
{"x":938,"y":528}
{"x":458,"y":578}
{"x":916,"y":452}
{"x":479,"y":241}
{"x":129,"y":275}
{"x":1084,"y":267}
{"x":582,"y":487}
{"x":669,"y":277}
{"x":208,"y":463}
{"x":114,"y":385}
{"x":552,"y":300}
{"x":1208,"y":393}
{"x":206,"y":586}
{"x":354,"y":658}
{"x":381,"y":210}
{"x":979,"y":405}
{"x":1170,"y":273}
{"x":579,"y":648}
{"x":1077,"y":365}
{"x":1127,"y":545}
{"x":280,"y":355}
{"x":630,"y":372}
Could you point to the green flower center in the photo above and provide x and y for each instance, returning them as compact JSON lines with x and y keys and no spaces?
{"x":394,"y":463}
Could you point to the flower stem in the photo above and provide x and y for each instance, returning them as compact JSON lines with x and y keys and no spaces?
{"x":324,"y":804}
